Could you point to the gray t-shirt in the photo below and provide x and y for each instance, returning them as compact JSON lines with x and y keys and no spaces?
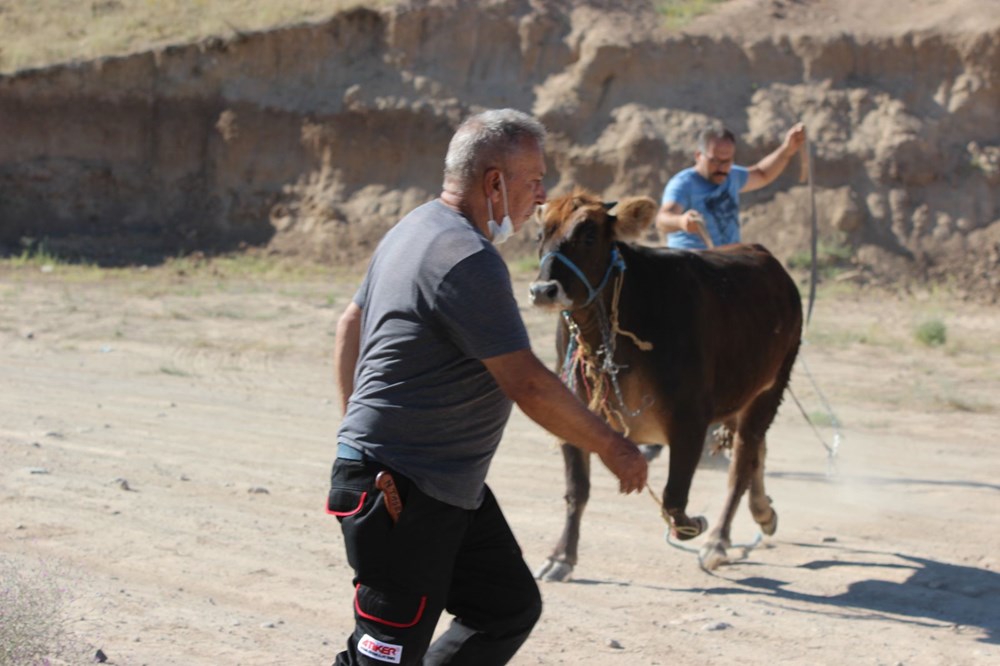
{"x":437,"y":298}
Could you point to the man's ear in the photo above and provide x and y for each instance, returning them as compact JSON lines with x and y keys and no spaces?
{"x":633,"y":215}
{"x":491,"y":182}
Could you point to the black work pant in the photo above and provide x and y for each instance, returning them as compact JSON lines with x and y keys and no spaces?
{"x":436,"y":557}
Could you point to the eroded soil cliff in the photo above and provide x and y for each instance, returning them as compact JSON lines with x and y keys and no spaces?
{"x":312,"y":139}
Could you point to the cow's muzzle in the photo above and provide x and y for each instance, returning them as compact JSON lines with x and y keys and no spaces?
{"x":547,"y":293}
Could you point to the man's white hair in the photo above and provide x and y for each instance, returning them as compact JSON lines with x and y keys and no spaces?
{"x":485,"y":141}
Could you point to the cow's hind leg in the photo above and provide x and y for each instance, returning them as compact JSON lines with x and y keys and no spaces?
{"x":760,"y":504}
{"x":560,"y":564}
{"x":746,"y":470}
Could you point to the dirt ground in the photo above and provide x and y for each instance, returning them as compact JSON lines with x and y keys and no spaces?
{"x":166,"y":437}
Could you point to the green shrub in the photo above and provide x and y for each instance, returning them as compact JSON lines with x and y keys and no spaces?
{"x":932,"y":333}
{"x":678,"y":13}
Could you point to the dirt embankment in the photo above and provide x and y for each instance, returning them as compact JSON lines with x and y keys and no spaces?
{"x":312,"y":139}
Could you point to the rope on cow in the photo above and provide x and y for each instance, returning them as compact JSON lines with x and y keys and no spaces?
{"x":807,"y":163}
{"x":597,"y":369}
{"x":806,"y":175}
{"x":663,"y":510}
{"x":580,"y":368}
{"x":610,"y":331}
{"x":831,"y":450}
{"x":745,"y":547}
{"x":691,"y":532}
{"x":615,"y":328}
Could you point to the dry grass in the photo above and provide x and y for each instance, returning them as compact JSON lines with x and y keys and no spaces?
{"x":33,"y":620}
{"x":36,"y":33}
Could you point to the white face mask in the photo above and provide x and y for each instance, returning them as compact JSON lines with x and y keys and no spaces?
{"x":500,"y":232}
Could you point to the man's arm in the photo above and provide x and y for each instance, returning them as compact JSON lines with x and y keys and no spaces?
{"x":771,"y":166}
{"x":346,"y":348}
{"x":546,"y":401}
{"x":672,"y":217}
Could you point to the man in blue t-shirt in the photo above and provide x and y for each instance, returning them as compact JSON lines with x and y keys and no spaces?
{"x":431,"y":354}
{"x":704,"y":200}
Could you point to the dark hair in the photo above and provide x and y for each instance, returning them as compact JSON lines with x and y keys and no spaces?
{"x":486,"y":140}
{"x":714,"y":133}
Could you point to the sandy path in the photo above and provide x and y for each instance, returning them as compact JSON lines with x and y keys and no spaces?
{"x":212,"y":398}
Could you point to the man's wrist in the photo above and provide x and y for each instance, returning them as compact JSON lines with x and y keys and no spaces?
{"x":605,"y":444}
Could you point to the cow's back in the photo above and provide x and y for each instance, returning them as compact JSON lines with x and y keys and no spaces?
{"x":722,"y":322}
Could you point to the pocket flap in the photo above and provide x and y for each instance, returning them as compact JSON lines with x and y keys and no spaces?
{"x":343,"y":502}
{"x":395,"y":609}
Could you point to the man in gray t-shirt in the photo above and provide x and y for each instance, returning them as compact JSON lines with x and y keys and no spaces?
{"x":423,"y":402}
{"x":430,"y":355}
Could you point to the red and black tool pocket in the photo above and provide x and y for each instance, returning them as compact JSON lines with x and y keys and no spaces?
{"x":399,"y":610}
{"x":343,"y":502}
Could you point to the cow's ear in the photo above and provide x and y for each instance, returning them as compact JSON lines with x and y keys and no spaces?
{"x":633,"y":215}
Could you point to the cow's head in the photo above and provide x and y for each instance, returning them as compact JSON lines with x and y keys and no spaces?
{"x":577,"y":247}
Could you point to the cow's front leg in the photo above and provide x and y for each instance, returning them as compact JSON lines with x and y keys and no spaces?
{"x":560,"y":564}
{"x":686,"y":442}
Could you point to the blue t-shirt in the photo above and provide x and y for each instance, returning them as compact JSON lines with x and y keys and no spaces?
{"x":718,"y":204}
{"x":437,"y":299}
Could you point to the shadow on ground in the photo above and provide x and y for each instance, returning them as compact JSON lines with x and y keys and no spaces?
{"x":936,"y":593}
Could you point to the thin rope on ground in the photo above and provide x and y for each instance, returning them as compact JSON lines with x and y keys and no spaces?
{"x":669,"y":538}
{"x":831,"y":450}
{"x":745,"y":547}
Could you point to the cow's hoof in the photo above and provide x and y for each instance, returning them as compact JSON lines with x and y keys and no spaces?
{"x":694,"y":527}
{"x":770,"y":526}
{"x":713,"y":555}
{"x":554,"y":571}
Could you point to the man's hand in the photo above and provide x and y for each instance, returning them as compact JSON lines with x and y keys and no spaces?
{"x":543,"y":397}
{"x":691,"y":221}
{"x":626,"y":462}
{"x":771,"y":166}
{"x":794,"y":139}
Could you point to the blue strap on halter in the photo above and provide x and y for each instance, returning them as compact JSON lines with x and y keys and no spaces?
{"x":616,"y":262}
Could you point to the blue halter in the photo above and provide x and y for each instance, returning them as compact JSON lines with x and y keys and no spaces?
{"x":616,"y":262}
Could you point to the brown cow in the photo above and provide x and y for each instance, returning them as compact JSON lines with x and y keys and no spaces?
{"x":663,"y":343}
